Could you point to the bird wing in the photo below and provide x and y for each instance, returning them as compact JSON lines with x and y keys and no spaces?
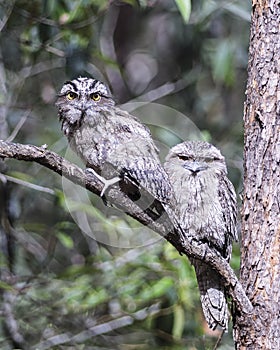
{"x":138,"y":160}
{"x":227,"y":197}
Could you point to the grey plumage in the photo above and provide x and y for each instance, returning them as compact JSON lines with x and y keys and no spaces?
{"x":106,"y":138}
{"x":205,"y":208}
{"x":104,"y":135}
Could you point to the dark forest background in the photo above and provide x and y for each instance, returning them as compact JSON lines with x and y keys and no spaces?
{"x":130,"y":288}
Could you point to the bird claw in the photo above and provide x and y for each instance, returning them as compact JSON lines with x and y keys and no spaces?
{"x":106,"y":183}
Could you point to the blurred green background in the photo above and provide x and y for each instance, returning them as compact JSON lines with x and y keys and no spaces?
{"x":126,"y":289}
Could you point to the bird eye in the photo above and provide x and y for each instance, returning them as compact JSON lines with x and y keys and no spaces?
{"x":180,"y":156}
{"x":71,"y":95}
{"x":95,"y":96}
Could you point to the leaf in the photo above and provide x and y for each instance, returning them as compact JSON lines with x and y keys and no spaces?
{"x":179,"y":322}
{"x":185,"y":8}
{"x":143,"y":3}
{"x":22,"y":176}
{"x":157,"y":289}
{"x":96,"y":298}
{"x":65,"y":240}
{"x":6,"y":286}
{"x":238,"y":11}
{"x":223,"y":63}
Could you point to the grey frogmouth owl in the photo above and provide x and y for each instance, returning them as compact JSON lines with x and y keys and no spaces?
{"x":105,"y":136}
{"x":205,"y":208}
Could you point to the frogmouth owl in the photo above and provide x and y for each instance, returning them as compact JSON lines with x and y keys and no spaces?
{"x":107,"y":137}
{"x":205,"y":208}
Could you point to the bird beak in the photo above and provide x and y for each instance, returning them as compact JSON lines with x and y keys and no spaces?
{"x":195,"y":167}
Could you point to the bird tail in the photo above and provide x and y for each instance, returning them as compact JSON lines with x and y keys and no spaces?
{"x":212,"y":295}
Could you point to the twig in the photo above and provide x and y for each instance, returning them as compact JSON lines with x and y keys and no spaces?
{"x":219,"y":340}
{"x":165,"y":89}
{"x":10,"y":320}
{"x":99,"y":329}
{"x":28,"y":184}
{"x":163,"y":226}
{"x":7,"y":15}
{"x":40,"y":67}
{"x":18,"y":127}
{"x":107,"y":48}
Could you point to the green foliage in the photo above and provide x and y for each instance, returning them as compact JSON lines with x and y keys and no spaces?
{"x":65,"y":240}
{"x":221,"y":55}
{"x":122,"y":285}
{"x":184,"y":7}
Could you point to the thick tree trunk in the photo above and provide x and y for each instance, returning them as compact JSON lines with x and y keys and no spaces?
{"x":260,"y":259}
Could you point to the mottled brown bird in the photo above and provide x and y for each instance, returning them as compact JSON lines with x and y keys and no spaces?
{"x":107,"y":137}
{"x":205,"y":208}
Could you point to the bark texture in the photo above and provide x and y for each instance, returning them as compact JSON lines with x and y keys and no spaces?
{"x":260,"y":259}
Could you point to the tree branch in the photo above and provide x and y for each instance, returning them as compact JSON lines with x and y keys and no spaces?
{"x":103,"y":328}
{"x":162,"y":225}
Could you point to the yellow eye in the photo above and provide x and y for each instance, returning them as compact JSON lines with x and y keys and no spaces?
{"x":71,"y":95}
{"x":96,"y":96}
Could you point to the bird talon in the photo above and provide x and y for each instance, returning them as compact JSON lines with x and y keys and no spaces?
{"x":108,"y":183}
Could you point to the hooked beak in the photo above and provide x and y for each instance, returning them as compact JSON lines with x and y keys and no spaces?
{"x":195,"y":167}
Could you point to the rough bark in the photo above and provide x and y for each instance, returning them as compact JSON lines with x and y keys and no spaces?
{"x":163,"y":226}
{"x":260,"y":265}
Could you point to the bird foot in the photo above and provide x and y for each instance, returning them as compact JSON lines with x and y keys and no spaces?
{"x":106,"y":183}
